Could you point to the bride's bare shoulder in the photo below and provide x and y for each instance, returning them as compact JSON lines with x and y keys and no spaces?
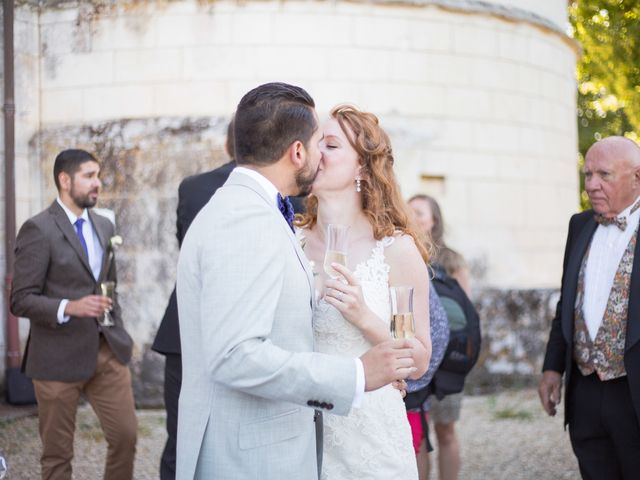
{"x":402,"y":242}
{"x":403,"y":248}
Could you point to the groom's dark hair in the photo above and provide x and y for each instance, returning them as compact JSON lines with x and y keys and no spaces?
{"x":269,"y":119}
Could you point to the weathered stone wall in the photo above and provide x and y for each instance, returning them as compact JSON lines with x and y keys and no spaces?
{"x":143,"y":164}
{"x":553,"y":12}
{"x":515,"y":329}
{"x":27,"y":118}
{"x":3,"y":260}
{"x":479,"y":96}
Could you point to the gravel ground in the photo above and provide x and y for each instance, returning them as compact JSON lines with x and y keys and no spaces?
{"x":504,"y":436}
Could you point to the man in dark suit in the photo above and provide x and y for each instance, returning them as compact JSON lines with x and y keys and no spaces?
{"x":595,"y":334}
{"x":62,"y":256}
{"x":193,"y":193}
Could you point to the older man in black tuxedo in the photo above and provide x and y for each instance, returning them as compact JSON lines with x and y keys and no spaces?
{"x":595,"y":335}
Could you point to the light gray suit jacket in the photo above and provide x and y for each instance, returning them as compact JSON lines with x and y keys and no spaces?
{"x":250,"y":376}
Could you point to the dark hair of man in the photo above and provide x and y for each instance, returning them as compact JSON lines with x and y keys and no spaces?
{"x":69,"y":161}
{"x":269,"y":119}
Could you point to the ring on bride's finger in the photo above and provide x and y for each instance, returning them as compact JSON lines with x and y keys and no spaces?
{"x":340,"y":295}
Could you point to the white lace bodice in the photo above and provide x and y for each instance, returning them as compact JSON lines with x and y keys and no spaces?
{"x":333,"y":334}
{"x":374,"y":441}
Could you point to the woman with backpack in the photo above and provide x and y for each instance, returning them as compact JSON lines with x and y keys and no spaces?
{"x":449,"y":265}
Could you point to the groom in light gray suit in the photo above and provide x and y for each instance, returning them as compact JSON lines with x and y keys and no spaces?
{"x":245,"y":296}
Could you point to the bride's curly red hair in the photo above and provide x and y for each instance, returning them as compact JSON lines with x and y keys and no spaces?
{"x":382,"y":202}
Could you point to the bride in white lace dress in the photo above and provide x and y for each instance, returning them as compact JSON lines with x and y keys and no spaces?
{"x":355,"y":186}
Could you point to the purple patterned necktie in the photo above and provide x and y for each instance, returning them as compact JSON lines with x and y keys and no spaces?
{"x":78,"y":224}
{"x":286,"y":208}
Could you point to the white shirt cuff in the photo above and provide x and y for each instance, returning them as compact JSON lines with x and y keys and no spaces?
{"x":62,"y":318}
{"x":359,"y":396}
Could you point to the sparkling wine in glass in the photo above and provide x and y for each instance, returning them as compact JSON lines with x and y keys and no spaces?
{"x":336,"y":252}
{"x":402,"y":323}
{"x":107,"y":289}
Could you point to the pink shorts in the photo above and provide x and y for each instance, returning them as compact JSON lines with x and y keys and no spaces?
{"x":416,"y":428}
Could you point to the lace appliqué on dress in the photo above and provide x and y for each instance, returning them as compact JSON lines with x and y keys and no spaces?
{"x":332,"y":333}
{"x":372,"y":442}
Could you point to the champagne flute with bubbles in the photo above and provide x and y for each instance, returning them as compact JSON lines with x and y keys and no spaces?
{"x":336,"y":252}
{"x":402,"y":323}
{"x":107,"y":289}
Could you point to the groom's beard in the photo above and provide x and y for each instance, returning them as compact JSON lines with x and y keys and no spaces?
{"x":304,"y":180}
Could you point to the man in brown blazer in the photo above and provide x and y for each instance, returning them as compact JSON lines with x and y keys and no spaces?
{"x":62,"y":256}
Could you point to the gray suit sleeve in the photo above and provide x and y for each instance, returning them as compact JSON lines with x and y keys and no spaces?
{"x":239,"y":304}
{"x":30,"y":274}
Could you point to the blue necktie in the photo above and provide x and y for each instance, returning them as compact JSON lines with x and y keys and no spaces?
{"x":286,"y":208}
{"x":78,"y":225}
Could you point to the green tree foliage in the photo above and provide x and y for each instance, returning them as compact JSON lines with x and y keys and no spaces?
{"x":608,"y":72}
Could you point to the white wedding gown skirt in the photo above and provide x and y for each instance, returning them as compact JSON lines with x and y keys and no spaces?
{"x":374,"y":441}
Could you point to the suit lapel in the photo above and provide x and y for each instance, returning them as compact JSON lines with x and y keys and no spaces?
{"x":69,"y":233}
{"x":245,"y":180}
{"x":633,"y":315}
{"x":571,"y":276}
{"x":102,"y":238}
{"x":305,"y":264}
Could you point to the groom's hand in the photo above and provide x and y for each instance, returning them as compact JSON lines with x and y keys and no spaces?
{"x":387,"y":362}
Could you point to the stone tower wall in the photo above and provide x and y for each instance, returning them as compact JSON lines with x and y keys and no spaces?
{"x":478,"y":97}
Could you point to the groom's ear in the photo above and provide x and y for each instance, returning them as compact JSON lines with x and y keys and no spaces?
{"x":297,"y":154}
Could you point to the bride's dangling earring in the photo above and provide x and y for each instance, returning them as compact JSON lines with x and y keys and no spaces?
{"x":358,"y":189}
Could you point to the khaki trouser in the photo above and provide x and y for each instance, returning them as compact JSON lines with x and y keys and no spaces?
{"x":110,"y":394}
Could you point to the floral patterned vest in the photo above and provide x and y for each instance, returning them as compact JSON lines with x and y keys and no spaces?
{"x":605,"y":354}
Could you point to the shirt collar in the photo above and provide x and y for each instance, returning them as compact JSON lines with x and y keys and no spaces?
{"x":72,"y":216}
{"x":263,"y":181}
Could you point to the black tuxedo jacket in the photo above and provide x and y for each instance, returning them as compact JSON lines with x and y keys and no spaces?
{"x":193,"y":193}
{"x":559,"y":356}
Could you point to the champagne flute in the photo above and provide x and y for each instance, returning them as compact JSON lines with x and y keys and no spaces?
{"x":107,"y":289}
{"x":336,"y":252}
{"x":402,"y":323}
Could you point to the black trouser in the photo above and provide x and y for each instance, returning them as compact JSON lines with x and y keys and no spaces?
{"x":604,"y":429}
{"x":172,"y":383}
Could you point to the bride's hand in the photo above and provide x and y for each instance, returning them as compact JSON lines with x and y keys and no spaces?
{"x":346,"y":296}
{"x":401,"y":386}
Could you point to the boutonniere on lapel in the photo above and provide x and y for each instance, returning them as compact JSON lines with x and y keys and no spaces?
{"x":112,"y":246}
{"x":114,"y":243}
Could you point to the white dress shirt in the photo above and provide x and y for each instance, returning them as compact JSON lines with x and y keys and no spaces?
{"x":94,"y":250}
{"x":272,"y":191}
{"x":607,"y":247}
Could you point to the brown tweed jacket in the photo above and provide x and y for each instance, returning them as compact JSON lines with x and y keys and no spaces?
{"x":51,"y":265}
